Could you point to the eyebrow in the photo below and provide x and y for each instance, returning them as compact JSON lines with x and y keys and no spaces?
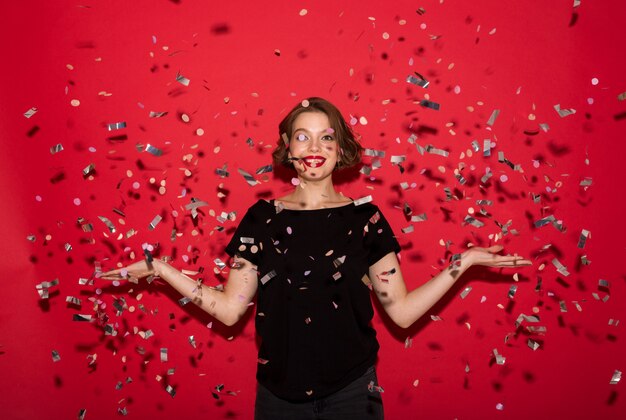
{"x":325,"y":131}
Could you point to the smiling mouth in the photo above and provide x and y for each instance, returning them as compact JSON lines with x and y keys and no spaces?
{"x":313,"y":161}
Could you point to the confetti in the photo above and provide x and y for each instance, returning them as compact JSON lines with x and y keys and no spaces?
{"x":466,"y":292}
{"x":617,"y":376}
{"x":153,"y":150}
{"x":55,"y":356}
{"x":43,"y":288}
{"x":182,"y":79}
{"x":499,"y":358}
{"x":249,"y":178}
{"x":363,"y":200}
{"x":267,"y":277}
{"x":421,"y":82}
{"x":154,"y":114}
{"x":560,"y":267}
{"x":584,"y":235}
{"x":429,"y":104}
{"x":116,"y":126}
{"x":492,"y":118}
{"x":563,"y":112}
{"x":56,"y":149}
{"x":30,"y":112}
{"x":153,"y":224}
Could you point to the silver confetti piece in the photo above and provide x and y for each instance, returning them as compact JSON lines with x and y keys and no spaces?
{"x":412,"y":138}
{"x":487,"y":147}
{"x":246,"y":240}
{"x":603,"y":283}
{"x":408,"y":229}
{"x":267,"y":277}
{"x":532,"y":344}
{"x":419,"y":218}
{"x":435,"y":151}
{"x":337,"y":276}
{"x":250,"y":142}
{"x":44,"y":287}
{"x":416,"y":81}
{"x":617,"y":376}
{"x":153,"y":224}
{"x":155,"y":151}
{"x":170,"y":390}
{"x":221,"y":264}
{"x":499,"y":358}
{"x":182,"y":79}
{"x":560,"y":267}
{"x":183,"y":301}
{"x":163,"y":353}
{"x":56,"y":148}
{"x":586,"y":182}
{"x":374,"y":153}
{"x":30,"y":112}
{"x":73,"y":300}
{"x":398,"y":159}
{"x":82,"y":413}
{"x":563,"y":112}
{"x":584,"y":235}
{"x":475,"y":146}
{"x":363,"y":200}
{"x":430,"y":104}
{"x":154,"y":114}
{"x":249,"y":178}
{"x":562,"y":306}
{"x":466,"y":292}
{"x":545,"y":127}
{"x":264,"y":169}
{"x":484,"y":202}
{"x":116,"y":126}
{"x":493,"y":117}
{"x":486,"y":177}
{"x":512,"y":291}
{"x":55,"y":356}
{"x":89,"y":169}
{"x":472,"y":221}
{"x":192,"y":341}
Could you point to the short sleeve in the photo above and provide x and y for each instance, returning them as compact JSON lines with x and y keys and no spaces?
{"x":247,"y":241}
{"x":379,"y":238}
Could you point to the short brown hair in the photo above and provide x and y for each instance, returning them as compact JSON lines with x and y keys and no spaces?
{"x":349,"y":147}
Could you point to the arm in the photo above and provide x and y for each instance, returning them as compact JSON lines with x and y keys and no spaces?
{"x":403,"y":307}
{"x":227,"y":305}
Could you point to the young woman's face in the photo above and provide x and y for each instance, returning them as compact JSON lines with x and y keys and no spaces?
{"x":313,"y":141}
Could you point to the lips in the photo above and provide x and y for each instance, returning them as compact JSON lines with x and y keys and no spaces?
{"x":313,"y":161}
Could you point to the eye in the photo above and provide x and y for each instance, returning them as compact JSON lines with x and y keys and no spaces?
{"x":301,"y":137}
{"x":328,"y":137}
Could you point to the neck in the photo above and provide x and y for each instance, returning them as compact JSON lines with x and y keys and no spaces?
{"x":315,"y":194}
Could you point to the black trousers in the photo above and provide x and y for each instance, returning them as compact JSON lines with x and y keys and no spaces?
{"x":357,"y":401}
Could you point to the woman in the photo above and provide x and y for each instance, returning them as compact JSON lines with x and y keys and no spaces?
{"x":312,"y":257}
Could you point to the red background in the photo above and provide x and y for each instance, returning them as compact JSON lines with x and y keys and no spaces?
{"x":120,"y":61}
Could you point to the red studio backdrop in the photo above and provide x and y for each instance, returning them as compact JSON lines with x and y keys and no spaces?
{"x":117,"y":115}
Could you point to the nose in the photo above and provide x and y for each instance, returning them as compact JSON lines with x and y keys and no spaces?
{"x":314,"y":145}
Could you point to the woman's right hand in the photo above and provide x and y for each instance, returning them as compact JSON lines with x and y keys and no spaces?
{"x":133,"y":272}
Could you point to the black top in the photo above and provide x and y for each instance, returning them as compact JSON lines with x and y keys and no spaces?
{"x":313,"y":302}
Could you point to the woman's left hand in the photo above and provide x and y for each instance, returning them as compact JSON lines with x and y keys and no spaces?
{"x":489,"y":257}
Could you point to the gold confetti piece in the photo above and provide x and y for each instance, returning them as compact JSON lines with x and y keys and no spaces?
{"x":116,"y":126}
{"x":182,"y":79}
{"x":564,"y":112}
